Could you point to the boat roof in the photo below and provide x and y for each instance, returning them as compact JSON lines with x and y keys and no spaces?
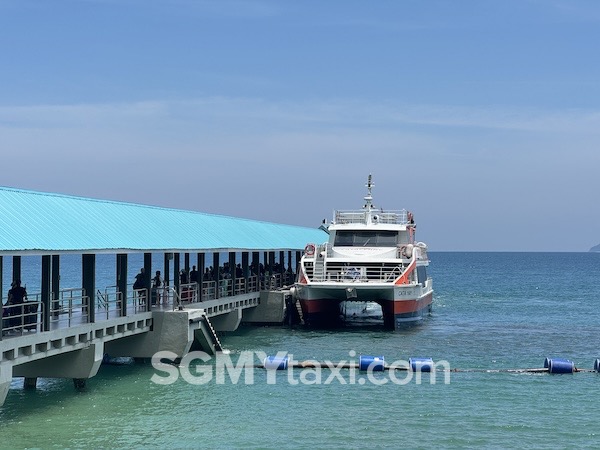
{"x":370,"y":216}
{"x":48,"y":223}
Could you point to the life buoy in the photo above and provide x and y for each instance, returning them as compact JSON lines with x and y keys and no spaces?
{"x":309,"y":250}
{"x":401,"y":251}
{"x":405,"y":251}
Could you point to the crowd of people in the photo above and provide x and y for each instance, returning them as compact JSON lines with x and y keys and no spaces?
{"x":223,"y":272}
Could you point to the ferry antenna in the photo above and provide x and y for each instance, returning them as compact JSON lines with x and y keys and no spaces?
{"x":369,"y":196}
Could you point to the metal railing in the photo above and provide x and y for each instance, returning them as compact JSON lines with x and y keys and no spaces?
{"x":109,"y":302}
{"x":136,"y":302}
{"x":188,"y":293}
{"x":209,"y":290}
{"x":26,"y":316}
{"x":71,"y":304}
{"x":364,"y":272}
{"x":360,"y":216}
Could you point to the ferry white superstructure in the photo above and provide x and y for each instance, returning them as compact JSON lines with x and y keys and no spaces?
{"x":371,"y":256}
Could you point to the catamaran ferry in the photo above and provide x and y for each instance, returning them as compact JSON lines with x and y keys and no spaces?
{"x":371,"y":257}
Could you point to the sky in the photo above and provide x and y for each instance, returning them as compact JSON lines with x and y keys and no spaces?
{"x":482,"y":117}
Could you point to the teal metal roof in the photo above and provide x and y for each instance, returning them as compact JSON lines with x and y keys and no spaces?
{"x":37,"y":223}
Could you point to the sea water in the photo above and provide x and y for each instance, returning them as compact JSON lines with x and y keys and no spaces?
{"x":492,"y":311}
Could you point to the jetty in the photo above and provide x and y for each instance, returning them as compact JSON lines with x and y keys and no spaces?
{"x":68,"y":331}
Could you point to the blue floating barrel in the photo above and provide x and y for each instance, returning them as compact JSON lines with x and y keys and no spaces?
{"x":597,"y":365}
{"x":420,"y":364}
{"x":556,"y":365}
{"x":276,"y":362}
{"x":376,"y":363}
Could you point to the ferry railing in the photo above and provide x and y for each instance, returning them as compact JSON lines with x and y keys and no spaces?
{"x":360,"y":216}
{"x":26,"y":316}
{"x":71,"y":304}
{"x":395,"y":273}
{"x":377,"y":274}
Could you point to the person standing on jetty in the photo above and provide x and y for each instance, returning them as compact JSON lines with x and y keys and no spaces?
{"x":139,"y":284}
{"x":156,"y":288}
{"x":17,"y":295}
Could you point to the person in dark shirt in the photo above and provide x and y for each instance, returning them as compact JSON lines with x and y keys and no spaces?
{"x":16,"y":298}
{"x":194,"y":275}
{"x":140,"y":283}
{"x":156,"y":291}
{"x":183,"y":277}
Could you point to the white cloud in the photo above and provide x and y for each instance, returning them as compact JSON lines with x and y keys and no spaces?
{"x":229,"y":113}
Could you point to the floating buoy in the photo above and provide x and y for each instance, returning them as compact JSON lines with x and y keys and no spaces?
{"x":276,"y":362}
{"x":375,"y":363}
{"x":597,"y":365}
{"x":557,"y":365}
{"x":420,"y":364}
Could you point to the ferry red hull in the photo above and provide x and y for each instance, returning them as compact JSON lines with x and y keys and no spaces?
{"x":396,"y":313}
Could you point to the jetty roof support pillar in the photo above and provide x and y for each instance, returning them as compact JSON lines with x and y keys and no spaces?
{"x":245,"y":267}
{"x":176,"y":271}
{"x":147,"y":278}
{"x":271,"y":262}
{"x":88,"y":275}
{"x":200,"y":268}
{"x":216,"y":271}
{"x":122,"y":281}
{"x":166,"y":268}
{"x":55,"y":282}
{"x":266,"y":261}
{"x":186,"y":260}
{"x":46,"y":294}
{"x":16,"y":268}
{"x":255,"y":262}
{"x":232,"y":271}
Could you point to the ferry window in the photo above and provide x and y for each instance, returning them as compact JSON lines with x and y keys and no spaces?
{"x":366,"y":238}
{"x":386,"y":239}
{"x":421,"y":274}
{"x":343,"y":238}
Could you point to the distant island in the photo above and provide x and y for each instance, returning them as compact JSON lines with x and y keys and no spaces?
{"x":595,"y":248}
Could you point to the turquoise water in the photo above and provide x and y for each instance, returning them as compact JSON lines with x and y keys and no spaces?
{"x":491,"y":311}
